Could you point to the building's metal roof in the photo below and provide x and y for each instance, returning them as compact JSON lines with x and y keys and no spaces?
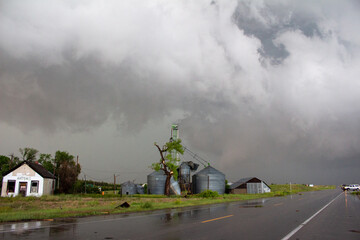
{"x":244,"y":180}
{"x":34,"y":166}
{"x":128,"y":183}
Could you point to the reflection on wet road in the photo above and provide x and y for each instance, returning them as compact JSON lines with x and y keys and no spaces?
{"x":277,"y":216}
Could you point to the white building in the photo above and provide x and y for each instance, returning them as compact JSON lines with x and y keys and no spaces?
{"x":28,"y":179}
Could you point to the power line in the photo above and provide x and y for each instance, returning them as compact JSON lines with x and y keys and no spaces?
{"x":116,"y":172}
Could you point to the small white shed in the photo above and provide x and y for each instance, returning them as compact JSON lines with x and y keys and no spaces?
{"x":28,"y":179}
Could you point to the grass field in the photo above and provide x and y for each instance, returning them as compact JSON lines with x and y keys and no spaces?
{"x":62,"y":206}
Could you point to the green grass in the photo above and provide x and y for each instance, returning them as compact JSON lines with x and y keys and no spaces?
{"x":62,"y":206}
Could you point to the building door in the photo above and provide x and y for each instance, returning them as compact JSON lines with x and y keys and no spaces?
{"x":23,"y":188}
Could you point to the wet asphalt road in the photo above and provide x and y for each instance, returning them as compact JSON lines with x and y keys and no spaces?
{"x":272,"y":218}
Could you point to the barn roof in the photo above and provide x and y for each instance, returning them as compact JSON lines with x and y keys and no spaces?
{"x":34,"y":166}
{"x":244,"y":180}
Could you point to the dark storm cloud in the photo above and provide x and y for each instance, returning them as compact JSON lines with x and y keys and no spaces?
{"x":265,"y":88}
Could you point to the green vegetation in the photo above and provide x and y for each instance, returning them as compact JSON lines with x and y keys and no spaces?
{"x":209,"y":194}
{"x":78,"y":205}
{"x":284,"y":189}
{"x":356,"y":193}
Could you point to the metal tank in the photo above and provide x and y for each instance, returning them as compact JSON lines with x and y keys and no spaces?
{"x":139,"y":189}
{"x":128,"y":188}
{"x":156,"y":184}
{"x":209,"y":179}
{"x":184,"y":176}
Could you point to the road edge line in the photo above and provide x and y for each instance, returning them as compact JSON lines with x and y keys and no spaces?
{"x":289,"y":235}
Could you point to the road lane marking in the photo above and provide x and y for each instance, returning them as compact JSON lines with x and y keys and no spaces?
{"x":214,"y":219}
{"x":278,"y":204}
{"x":309,"y":219}
{"x":301,"y":199}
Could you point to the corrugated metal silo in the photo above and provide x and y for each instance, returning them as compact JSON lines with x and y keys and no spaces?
{"x":156,"y":184}
{"x":209,"y":179}
{"x":139,"y":189}
{"x":184,"y":176}
{"x":128,"y":188}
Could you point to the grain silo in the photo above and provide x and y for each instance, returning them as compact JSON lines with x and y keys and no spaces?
{"x":139,"y":189}
{"x":209,"y":179}
{"x":184,"y":174}
{"x":156,"y":184}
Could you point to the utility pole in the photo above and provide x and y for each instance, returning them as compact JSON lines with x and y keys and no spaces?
{"x":85,"y":183}
{"x":114,"y":184}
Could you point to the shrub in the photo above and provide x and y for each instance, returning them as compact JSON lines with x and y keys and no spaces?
{"x":147,"y":205}
{"x":209,"y":194}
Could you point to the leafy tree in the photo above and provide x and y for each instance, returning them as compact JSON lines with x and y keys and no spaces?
{"x":66,"y":170}
{"x":47,"y":162}
{"x":168,"y":161}
{"x":5,"y":166}
{"x":28,"y":154}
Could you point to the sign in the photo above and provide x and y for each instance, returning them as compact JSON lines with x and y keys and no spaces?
{"x":23,"y":178}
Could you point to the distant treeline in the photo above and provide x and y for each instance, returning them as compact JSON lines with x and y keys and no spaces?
{"x":93,"y":186}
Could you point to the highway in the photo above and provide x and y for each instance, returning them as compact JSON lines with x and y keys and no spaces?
{"x":329,"y":214}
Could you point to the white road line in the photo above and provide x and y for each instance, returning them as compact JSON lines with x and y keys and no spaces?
{"x":309,"y":219}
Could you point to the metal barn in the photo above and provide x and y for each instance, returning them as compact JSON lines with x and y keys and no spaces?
{"x":209,"y":179}
{"x":251,"y":185}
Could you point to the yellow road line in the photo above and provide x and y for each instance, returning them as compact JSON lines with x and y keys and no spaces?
{"x":278,"y":204}
{"x":216,"y":219}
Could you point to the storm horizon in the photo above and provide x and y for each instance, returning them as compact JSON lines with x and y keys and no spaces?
{"x":259,"y":88}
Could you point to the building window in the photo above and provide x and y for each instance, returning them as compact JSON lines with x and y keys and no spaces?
{"x":34,"y":186}
{"x":11,"y":186}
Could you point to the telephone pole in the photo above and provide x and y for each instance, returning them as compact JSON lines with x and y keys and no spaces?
{"x":114,"y":184}
{"x":85,"y":183}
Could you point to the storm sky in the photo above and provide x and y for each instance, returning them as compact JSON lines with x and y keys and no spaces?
{"x":259,"y":88}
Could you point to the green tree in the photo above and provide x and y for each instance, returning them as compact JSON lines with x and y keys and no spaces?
{"x":47,"y":162}
{"x":168,"y":161}
{"x":66,"y":170}
{"x":28,"y":154}
{"x":5,"y":165}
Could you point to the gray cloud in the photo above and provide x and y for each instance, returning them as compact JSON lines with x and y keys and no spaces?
{"x":263,"y":88}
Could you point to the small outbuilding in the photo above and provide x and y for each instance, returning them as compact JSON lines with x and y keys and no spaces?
{"x":130,"y":188}
{"x":28,"y":179}
{"x":250,"y":185}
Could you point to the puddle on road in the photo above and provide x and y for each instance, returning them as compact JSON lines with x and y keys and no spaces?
{"x":251,"y":206}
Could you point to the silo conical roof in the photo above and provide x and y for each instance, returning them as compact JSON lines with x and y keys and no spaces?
{"x":209,"y":170}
